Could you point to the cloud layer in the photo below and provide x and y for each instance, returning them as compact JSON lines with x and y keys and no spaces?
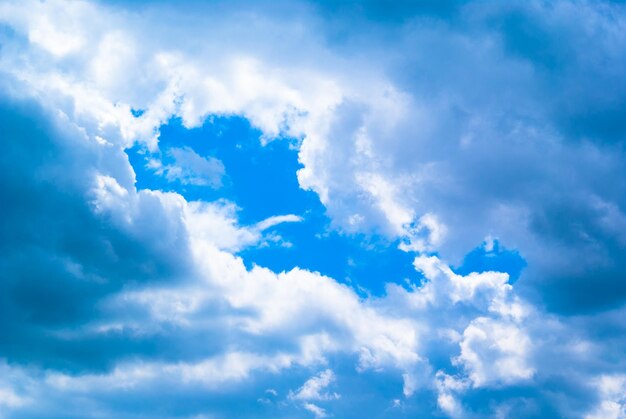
{"x":440,"y":127}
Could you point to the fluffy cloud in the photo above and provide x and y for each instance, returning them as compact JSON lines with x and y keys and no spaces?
{"x":487,"y":145}
{"x":114,"y":298}
{"x":613,"y":402}
{"x":516,"y":140}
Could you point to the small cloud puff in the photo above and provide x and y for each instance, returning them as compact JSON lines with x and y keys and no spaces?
{"x":313,"y":388}
{"x":189,"y":168}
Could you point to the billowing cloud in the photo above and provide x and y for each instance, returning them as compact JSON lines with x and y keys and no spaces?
{"x":438,"y":127}
{"x":437,"y":154}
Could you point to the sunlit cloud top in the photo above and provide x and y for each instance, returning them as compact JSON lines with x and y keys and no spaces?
{"x":313,"y":209}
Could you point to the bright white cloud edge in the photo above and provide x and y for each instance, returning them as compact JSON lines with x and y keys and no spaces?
{"x":494,"y":348}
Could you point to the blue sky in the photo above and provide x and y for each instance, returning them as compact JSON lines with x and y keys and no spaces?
{"x":261,"y":180}
{"x":312,"y":209}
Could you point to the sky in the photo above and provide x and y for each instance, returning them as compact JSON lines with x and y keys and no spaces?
{"x":310,"y":209}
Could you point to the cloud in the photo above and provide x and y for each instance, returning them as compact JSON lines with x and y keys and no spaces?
{"x":613,"y":403}
{"x":189,"y":168}
{"x":495,"y":351}
{"x":217,"y":222}
{"x":313,"y":388}
{"x":485,"y":144}
{"x":276,"y":220}
{"x":123,"y":302}
{"x":10,"y":399}
{"x":316,"y":410}
{"x":437,"y":155}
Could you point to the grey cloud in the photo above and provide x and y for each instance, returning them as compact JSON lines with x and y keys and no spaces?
{"x":59,"y":259}
{"x":514,"y":128}
{"x":490,"y":143}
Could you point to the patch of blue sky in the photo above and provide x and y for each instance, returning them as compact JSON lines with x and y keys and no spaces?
{"x":261,"y":181}
{"x":493,"y":256}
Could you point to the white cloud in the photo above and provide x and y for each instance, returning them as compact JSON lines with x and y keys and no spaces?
{"x":382,"y":156}
{"x":612,"y":391}
{"x":8,"y":398}
{"x":409,"y":160}
{"x":316,"y":410}
{"x":447,"y":389}
{"x":189,"y":168}
{"x":217,"y":223}
{"x":314,"y":387}
{"x":275,"y":220}
{"x":495,"y":352}
{"x":211,"y":373}
{"x":15,"y":387}
{"x":381,"y":153}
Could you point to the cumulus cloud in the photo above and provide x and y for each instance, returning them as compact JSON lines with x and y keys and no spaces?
{"x":613,"y":402}
{"x":437,"y":155}
{"x":405,"y":145}
{"x":493,"y":351}
{"x":111,"y":296}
